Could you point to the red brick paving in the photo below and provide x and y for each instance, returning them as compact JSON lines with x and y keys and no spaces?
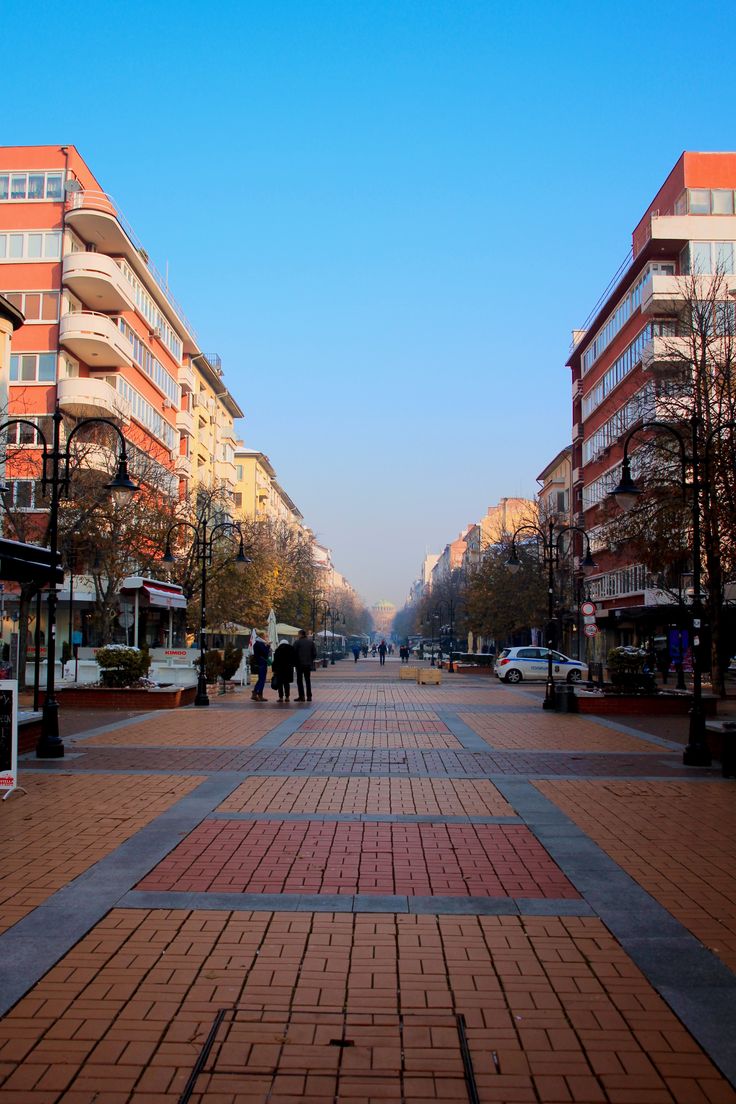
{"x":555,"y":1001}
{"x":674,"y":838}
{"x":498,"y":860}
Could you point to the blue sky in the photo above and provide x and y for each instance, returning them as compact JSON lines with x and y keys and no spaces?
{"x":387,"y":217}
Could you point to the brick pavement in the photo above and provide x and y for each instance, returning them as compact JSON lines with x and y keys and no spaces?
{"x":243,"y":803}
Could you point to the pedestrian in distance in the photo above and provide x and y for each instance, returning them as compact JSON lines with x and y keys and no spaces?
{"x":261,"y":652}
{"x":306,"y":654}
{"x":356,"y":651}
{"x":284,"y":661}
{"x":382,"y":649}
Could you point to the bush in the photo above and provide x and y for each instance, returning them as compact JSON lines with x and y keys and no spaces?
{"x":626,"y":669}
{"x":212,"y":665}
{"x":121,"y":666}
{"x":231,"y":661}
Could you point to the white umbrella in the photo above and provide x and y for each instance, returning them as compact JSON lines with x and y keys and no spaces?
{"x":273,"y":636}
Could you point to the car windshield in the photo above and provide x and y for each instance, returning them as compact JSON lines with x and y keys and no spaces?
{"x":504,"y":653}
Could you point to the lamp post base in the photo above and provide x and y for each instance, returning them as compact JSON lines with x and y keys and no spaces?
{"x":50,"y":745}
{"x":697,"y":753}
{"x":550,"y":701}
{"x":202,"y":698}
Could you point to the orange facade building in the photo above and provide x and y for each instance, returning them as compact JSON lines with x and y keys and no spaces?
{"x":620,"y":368}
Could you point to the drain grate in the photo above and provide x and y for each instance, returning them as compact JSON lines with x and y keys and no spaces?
{"x":325,"y":1057}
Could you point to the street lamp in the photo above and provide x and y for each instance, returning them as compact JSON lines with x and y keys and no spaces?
{"x":56,"y":477}
{"x":202,"y":547}
{"x":451,"y":609}
{"x":696,"y":753}
{"x":550,"y":556}
{"x":335,"y":616}
{"x":429,"y":620}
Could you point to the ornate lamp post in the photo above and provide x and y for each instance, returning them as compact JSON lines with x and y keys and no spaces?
{"x":696,"y":753}
{"x":335,"y":617}
{"x":451,"y":608}
{"x":551,"y":557}
{"x":202,"y":548}
{"x":55,"y":479}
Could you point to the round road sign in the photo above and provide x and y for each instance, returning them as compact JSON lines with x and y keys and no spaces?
{"x":587,"y":608}
{"x":590,"y":630}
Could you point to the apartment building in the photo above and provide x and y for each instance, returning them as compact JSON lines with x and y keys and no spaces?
{"x":103,"y":335}
{"x":621,"y":363}
{"x":258,"y":494}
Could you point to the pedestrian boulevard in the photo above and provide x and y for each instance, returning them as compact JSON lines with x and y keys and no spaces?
{"x":393,"y":893}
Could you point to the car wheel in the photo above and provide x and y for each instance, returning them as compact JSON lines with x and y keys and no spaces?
{"x":574,"y":676}
{"x":513,"y":676}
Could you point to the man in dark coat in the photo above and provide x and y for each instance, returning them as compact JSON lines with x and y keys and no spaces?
{"x":284,"y":659}
{"x":261,"y":651}
{"x":306,"y":654}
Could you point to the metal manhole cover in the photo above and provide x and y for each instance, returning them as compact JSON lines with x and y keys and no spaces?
{"x":260,"y":1055}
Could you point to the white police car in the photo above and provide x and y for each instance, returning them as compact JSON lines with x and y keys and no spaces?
{"x":515,"y":664}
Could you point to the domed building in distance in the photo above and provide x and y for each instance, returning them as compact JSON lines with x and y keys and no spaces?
{"x":383,"y":617}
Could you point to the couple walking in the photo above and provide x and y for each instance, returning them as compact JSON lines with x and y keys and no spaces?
{"x":287,"y":658}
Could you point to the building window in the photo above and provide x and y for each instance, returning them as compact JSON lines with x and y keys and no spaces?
{"x":37,"y":306}
{"x":24,"y":434}
{"x":25,"y":494}
{"x":33,"y":368}
{"x":704,"y":201}
{"x":30,"y":245}
{"x":703,"y":258}
{"x":25,"y":186}
{"x":238,"y":500}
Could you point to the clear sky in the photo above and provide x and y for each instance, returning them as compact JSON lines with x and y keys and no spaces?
{"x":386,"y":216}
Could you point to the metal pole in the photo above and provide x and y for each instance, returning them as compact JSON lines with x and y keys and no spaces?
{"x":549,"y":690}
{"x":50,"y":745}
{"x":332,"y":642}
{"x":37,"y":657}
{"x":696,"y":753}
{"x":450,"y":609}
{"x":202,"y":698}
{"x":71,"y":600}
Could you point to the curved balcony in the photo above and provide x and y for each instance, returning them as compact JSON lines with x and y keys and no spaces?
{"x":97,"y":281}
{"x":92,"y":398}
{"x":185,"y":422}
{"x":666,"y":355}
{"x":95,"y":340}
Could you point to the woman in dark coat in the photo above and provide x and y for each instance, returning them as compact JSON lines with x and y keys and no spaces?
{"x":284,"y":659}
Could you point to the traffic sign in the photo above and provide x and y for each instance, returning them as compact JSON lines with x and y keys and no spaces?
{"x":590,"y":630}
{"x":589,"y":619}
{"x":587,"y":609}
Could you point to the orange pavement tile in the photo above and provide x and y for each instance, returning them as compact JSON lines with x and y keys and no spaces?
{"x":357,"y":738}
{"x":529,"y":1040}
{"x":674,"y":838}
{"x":540,"y":731}
{"x":65,"y":823}
{"x":223,"y":727}
{"x":433,"y":796}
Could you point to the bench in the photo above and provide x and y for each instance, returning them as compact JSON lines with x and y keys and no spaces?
{"x":723,"y":745}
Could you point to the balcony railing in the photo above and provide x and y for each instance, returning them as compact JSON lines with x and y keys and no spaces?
{"x":91,"y":200}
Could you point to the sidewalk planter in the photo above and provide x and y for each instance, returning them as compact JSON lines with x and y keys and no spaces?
{"x":428,"y":676}
{"x":411,"y":673}
{"x":472,"y":669}
{"x":103,"y":697}
{"x":647,"y":705}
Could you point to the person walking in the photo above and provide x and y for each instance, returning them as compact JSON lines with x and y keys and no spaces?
{"x":356,"y":651}
{"x":261,"y":652}
{"x":306,"y":654}
{"x":382,"y":649}
{"x":284,"y":661}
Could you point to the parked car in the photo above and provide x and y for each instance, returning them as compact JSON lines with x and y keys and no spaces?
{"x":515,"y":664}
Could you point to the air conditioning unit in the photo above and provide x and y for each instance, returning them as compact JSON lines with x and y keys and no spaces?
{"x":577,"y":475}
{"x":577,"y":432}
{"x":156,"y":331}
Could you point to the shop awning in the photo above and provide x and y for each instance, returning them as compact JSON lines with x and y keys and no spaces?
{"x":168,"y":599}
{"x":161,"y":594}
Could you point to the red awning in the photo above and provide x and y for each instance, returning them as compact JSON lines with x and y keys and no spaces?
{"x":167,"y":599}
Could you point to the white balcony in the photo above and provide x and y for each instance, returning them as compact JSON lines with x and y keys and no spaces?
{"x":187,"y":378}
{"x":666,"y":355}
{"x":96,"y":218}
{"x":666,"y":295}
{"x":184,"y":466}
{"x":185,"y":422}
{"x":92,"y":398}
{"x":95,"y":340}
{"x":97,"y":281}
